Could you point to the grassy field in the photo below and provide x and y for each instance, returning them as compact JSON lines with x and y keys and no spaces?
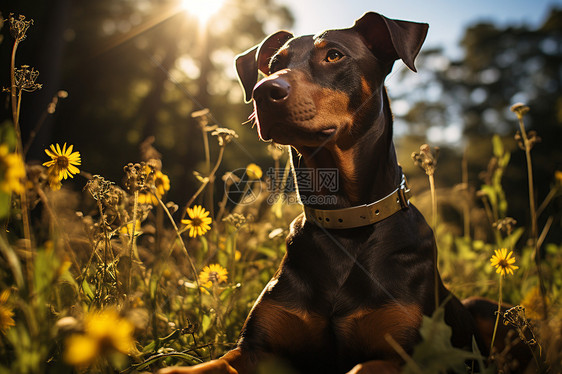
{"x":115,"y":278}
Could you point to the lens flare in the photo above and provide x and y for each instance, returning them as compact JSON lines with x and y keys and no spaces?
{"x":201,"y":9}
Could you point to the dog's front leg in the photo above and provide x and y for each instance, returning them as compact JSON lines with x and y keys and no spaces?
{"x":376,"y":367}
{"x":232,"y":362}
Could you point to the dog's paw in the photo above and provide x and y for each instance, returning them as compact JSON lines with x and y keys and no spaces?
{"x":212,"y":367}
{"x":375,"y":367}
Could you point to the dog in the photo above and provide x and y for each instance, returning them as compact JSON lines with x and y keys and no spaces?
{"x":360,"y":268}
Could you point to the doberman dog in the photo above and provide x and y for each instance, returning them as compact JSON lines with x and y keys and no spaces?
{"x":360,"y":269}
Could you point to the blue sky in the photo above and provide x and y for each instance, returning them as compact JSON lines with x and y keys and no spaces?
{"x":447,"y":18}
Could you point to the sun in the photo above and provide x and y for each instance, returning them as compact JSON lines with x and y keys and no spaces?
{"x":202,"y":9}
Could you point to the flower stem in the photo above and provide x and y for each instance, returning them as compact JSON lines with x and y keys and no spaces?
{"x":16,"y":104}
{"x":209,"y":194}
{"x":534,"y":230}
{"x":434,"y":226}
{"x":132,"y":243}
{"x":465,"y":207}
{"x":498,"y":313}
{"x":14,"y":88}
{"x":204,"y":184}
{"x":180,"y":240}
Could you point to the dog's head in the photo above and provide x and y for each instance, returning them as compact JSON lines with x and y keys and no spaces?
{"x":317,"y":89}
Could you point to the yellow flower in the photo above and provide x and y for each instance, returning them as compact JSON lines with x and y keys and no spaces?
{"x":53,"y":178}
{"x":213,"y":274}
{"x":128,"y":228}
{"x":147,"y":198}
{"x":503,"y":262}
{"x":12,"y":171}
{"x":6,"y":312}
{"x":200,"y":221}
{"x":63,"y":161}
{"x":81,"y":350}
{"x":534,"y":303}
{"x":253,"y":171}
{"x":104,"y":332}
{"x":161,"y":184}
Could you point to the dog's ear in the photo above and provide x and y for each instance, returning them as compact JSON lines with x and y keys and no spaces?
{"x":257,"y":58}
{"x":392,"y":39}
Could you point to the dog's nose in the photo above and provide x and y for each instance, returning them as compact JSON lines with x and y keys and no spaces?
{"x":274,"y":90}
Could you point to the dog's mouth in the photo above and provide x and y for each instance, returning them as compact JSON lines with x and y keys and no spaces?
{"x":290,"y":133}
{"x":297,"y":122}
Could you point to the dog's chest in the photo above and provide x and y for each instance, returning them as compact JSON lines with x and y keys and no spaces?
{"x":306,"y":338}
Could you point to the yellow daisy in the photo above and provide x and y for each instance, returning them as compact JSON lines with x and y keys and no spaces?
{"x":213,"y":274}
{"x":128,"y":228}
{"x":253,"y":171}
{"x":104,"y":332}
{"x":161,"y":184}
{"x":53,"y":178}
{"x":63,"y":161}
{"x":199,"y":222}
{"x":147,"y":198}
{"x":503,"y":262}
{"x":534,"y":303}
{"x":12,"y":171}
{"x":6,"y":312}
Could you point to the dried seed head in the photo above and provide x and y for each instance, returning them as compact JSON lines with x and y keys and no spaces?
{"x":426,"y":158}
{"x":19,"y":26}
{"x":224,"y":136}
{"x":136,"y":176}
{"x":506,"y":224}
{"x":25,"y":79}
{"x":99,"y":187}
{"x":203,"y":118}
{"x":237,"y":220}
{"x":519,"y":109}
{"x":516,"y":317}
{"x":532,"y":139}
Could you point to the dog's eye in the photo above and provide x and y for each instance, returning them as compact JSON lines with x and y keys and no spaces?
{"x":333,"y":56}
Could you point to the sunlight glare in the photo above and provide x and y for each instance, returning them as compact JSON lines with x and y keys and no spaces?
{"x":202,"y":9}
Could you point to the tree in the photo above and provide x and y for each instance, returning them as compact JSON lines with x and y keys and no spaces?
{"x":500,"y":66}
{"x":138,"y":68}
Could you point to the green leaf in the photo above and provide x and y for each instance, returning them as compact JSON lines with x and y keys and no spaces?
{"x":490,"y":193}
{"x":5,"y":204}
{"x":435,"y":353}
{"x":45,"y":268}
{"x":153,"y":286}
{"x":228,"y":291}
{"x":206,"y":323}
{"x":267,"y":251}
{"x":497,"y":146}
{"x":87,"y":290}
{"x":503,"y":161}
{"x":511,"y":240}
{"x":13,"y":261}
{"x":8,"y":134}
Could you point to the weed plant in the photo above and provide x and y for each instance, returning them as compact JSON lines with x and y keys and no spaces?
{"x":116,"y":278}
